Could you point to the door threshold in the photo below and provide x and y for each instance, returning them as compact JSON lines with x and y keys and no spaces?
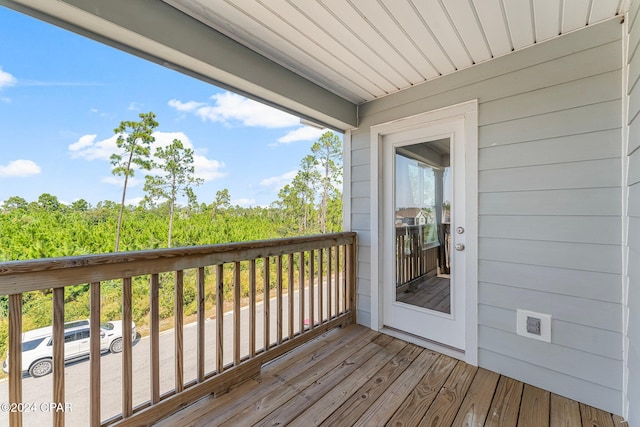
{"x":448,"y":350}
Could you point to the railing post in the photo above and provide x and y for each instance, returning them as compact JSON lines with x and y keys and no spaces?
{"x":58,"y":354}
{"x":201,"y":324}
{"x":252,"y":308}
{"x":266,"y":305}
{"x":127,"y":370}
{"x":351,"y":286}
{"x":219,"y":318}
{"x":236,"y":313}
{"x":154,"y":345}
{"x":15,"y":357}
{"x":94,"y":355}
{"x":178,"y":321}
{"x":301,"y":293}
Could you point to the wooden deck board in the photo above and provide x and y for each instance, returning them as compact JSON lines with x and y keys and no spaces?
{"x":326,"y":394}
{"x":534,"y":409}
{"x":444,"y":408}
{"x":354,"y":376}
{"x":320,"y":410}
{"x":564,"y":412}
{"x":351,"y":410}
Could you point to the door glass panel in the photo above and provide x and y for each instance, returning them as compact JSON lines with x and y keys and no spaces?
{"x":423,"y":197}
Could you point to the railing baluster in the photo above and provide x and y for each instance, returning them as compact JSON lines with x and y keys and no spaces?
{"x":336,"y":284}
{"x":329,"y":282}
{"x":266,"y":305}
{"x":252,"y":308}
{"x":94,"y":354}
{"x":279,"y":298}
{"x":178,"y":321}
{"x":236,"y":313}
{"x":154,"y":348}
{"x":312,"y":321}
{"x":301,"y":292}
{"x":58,"y":354}
{"x":15,"y":357}
{"x":344,"y":278}
{"x":320,"y":289}
{"x":127,"y":371}
{"x":290,"y":294}
{"x":201,"y":324}
{"x":351,"y":283}
{"x":219,"y":318}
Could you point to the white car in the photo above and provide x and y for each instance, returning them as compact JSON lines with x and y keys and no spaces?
{"x":37,"y":344}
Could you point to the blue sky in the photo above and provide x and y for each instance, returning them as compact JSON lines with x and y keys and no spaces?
{"x":61,"y":96}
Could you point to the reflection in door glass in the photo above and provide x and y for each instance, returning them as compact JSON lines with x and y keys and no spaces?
{"x":422,"y":224}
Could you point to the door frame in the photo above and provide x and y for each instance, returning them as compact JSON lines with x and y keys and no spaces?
{"x":467,"y":111}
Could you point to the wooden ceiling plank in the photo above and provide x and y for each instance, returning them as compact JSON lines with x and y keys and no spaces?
{"x":367,"y":34}
{"x":520,"y":22}
{"x":437,"y":20}
{"x":495,"y":28}
{"x":282,"y":36}
{"x":467,"y":25}
{"x":547,"y":18}
{"x":351,"y":46}
{"x":387,"y":26}
{"x":242,"y":28}
{"x":603,"y":9}
{"x":420,"y":34}
{"x":304,"y":24}
{"x":575,"y":16}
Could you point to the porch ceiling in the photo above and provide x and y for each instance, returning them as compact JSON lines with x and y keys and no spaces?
{"x":320,"y":59}
{"x":365,"y":49}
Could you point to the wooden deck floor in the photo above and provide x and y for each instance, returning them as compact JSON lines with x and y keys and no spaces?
{"x":354,"y":376}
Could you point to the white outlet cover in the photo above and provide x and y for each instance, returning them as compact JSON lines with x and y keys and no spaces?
{"x":545,"y":325}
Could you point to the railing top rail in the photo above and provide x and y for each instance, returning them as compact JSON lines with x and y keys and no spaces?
{"x":25,"y":276}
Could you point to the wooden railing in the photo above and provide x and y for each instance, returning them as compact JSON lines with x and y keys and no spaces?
{"x":313,"y":290}
{"x":413,"y":259}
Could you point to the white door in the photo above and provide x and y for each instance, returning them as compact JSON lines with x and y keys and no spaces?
{"x":424,"y":232}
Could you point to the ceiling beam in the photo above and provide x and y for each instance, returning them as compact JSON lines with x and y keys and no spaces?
{"x":156,"y":31}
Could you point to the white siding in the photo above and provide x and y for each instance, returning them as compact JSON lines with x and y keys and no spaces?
{"x":550,"y":206}
{"x":633,"y":272}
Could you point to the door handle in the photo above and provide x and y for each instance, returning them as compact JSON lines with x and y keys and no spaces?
{"x":459,"y":247}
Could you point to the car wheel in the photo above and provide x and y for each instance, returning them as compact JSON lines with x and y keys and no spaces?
{"x":116,"y":346}
{"x":41,"y":368}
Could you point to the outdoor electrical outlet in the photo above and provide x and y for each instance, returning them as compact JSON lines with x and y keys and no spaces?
{"x":534,"y":325}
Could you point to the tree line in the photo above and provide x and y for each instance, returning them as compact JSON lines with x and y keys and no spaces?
{"x":44,"y":228}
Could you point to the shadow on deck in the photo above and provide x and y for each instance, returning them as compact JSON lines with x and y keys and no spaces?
{"x":355,"y":376}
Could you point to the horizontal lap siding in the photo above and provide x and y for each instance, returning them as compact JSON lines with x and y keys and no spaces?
{"x":549,"y":204}
{"x":550,"y":193}
{"x":633,"y":181}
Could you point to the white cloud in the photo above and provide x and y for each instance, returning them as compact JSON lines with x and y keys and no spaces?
{"x":279,"y":181}
{"x":185,"y":106}
{"x":5,"y":100}
{"x":134,"y":201}
{"x":207,"y":169}
{"x":229,"y":108}
{"x":84,"y":141}
{"x":6,"y":79}
{"x":134,"y":106}
{"x":305,"y":133}
{"x":86,"y":147}
{"x":119,"y":181}
{"x":244,"y":202}
{"x":20,"y":168}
